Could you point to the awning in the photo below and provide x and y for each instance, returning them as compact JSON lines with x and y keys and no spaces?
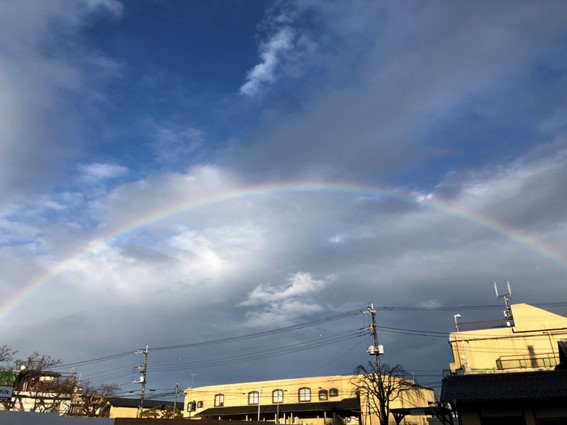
{"x":346,"y":405}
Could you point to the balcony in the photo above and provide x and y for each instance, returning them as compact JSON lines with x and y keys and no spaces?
{"x":542,"y":361}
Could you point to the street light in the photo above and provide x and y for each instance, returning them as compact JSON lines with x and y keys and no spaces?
{"x":457,"y":317}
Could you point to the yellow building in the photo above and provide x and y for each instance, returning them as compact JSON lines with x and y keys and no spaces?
{"x":325,"y":400}
{"x":528,"y":343}
{"x":119,"y":407}
{"x":514,"y":374}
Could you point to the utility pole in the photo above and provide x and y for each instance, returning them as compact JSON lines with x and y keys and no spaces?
{"x":259,"y":402}
{"x":144,"y":371}
{"x":376,"y":349}
{"x":175,"y":402}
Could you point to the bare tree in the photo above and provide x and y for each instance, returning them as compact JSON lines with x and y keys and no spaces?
{"x":378,"y":386}
{"x":39,"y":388}
{"x":162,"y":412}
{"x":93,"y":401}
{"x":6,"y":354}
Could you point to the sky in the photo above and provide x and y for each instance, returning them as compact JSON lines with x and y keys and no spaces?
{"x":232,"y":183}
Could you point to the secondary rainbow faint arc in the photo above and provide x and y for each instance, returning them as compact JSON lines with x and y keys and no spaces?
{"x":259,"y":190}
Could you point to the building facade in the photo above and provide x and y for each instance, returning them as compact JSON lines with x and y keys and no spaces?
{"x":513,"y":374}
{"x":325,"y":400}
{"x":527,"y":341}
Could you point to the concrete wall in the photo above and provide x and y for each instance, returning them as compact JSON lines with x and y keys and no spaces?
{"x":35,"y":418}
{"x":531,"y":344}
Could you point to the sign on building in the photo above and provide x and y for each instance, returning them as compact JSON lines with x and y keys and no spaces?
{"x":5,"y":393}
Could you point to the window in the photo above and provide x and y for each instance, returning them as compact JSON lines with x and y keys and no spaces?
{"x":333,"y":392}
{"x":323,"y":395}
{"x":199,"y":404}
{"x":277,"y":396}
{"x":219,"y":400}
{"x":253,"y":397}
{"x":304,"y":394}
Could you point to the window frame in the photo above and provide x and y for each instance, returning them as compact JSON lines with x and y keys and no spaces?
{"x":278,"y":396}
{"x":304,"y":395}
{"x":333,"y":392}
{"x":253,"y":395}
{"x":219,"y":400}
{"x":323,"y":395}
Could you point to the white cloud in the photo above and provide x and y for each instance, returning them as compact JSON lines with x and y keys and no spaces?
{"x":270,"y":53}
{"x":283,"y":304}
{"x":298,"y":285}
{"x":98,"y":171}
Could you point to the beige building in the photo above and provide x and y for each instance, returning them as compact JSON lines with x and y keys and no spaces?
{"x":324,"y":400}
{"x":120,"y":407}
{"x":515,"y":374}
{"x":528,"y":343}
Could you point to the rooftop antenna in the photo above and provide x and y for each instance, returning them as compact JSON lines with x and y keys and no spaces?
{"x":508,"y":312}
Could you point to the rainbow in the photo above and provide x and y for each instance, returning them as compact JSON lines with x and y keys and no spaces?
{"x":12,"y":302}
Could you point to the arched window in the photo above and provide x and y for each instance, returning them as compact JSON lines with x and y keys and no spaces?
{"x":277,"y":396}
{"x":199,"y":405}
{"x":333,"y":392}
{"x":219,"y":400}
{"x":253,"y":397}
{"x":304,"y":394}
{"x":323,"y":395}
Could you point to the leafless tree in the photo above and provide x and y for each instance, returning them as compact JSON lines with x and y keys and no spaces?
{"x":40,"y":387}
{"x":162,"y":412}
{"x":377,"y":387}
{"x":6,"y":354}
{"x":93,"y":401}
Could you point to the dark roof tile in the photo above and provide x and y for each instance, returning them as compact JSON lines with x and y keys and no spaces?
{"x":505,"y":386}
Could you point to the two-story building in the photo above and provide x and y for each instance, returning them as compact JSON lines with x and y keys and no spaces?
{"x":324,"y":400}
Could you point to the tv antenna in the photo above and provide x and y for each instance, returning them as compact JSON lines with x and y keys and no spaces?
{"x":508,"y":312}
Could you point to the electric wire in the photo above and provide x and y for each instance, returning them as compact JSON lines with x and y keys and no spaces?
{"x":275,"y":351}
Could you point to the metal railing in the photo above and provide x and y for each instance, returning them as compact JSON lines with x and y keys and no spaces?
{"x":543,"y":361}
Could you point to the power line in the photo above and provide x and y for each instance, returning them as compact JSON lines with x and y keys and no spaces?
{"x":290,"y":328}
{"x":463,"y":307}
{"x":264,"y":333}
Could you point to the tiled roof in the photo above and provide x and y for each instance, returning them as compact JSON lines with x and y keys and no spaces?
{"x":135,"y":402}
{"x":506,"y":386}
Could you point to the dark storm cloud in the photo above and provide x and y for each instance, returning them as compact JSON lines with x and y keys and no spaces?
{"x":415,"y":67}
{"x":42,"y":72}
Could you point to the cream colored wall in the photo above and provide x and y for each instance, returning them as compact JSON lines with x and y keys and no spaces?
{"x":123,"y":412}
{"x":477,"y":351}
{"x":237,"y":395}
